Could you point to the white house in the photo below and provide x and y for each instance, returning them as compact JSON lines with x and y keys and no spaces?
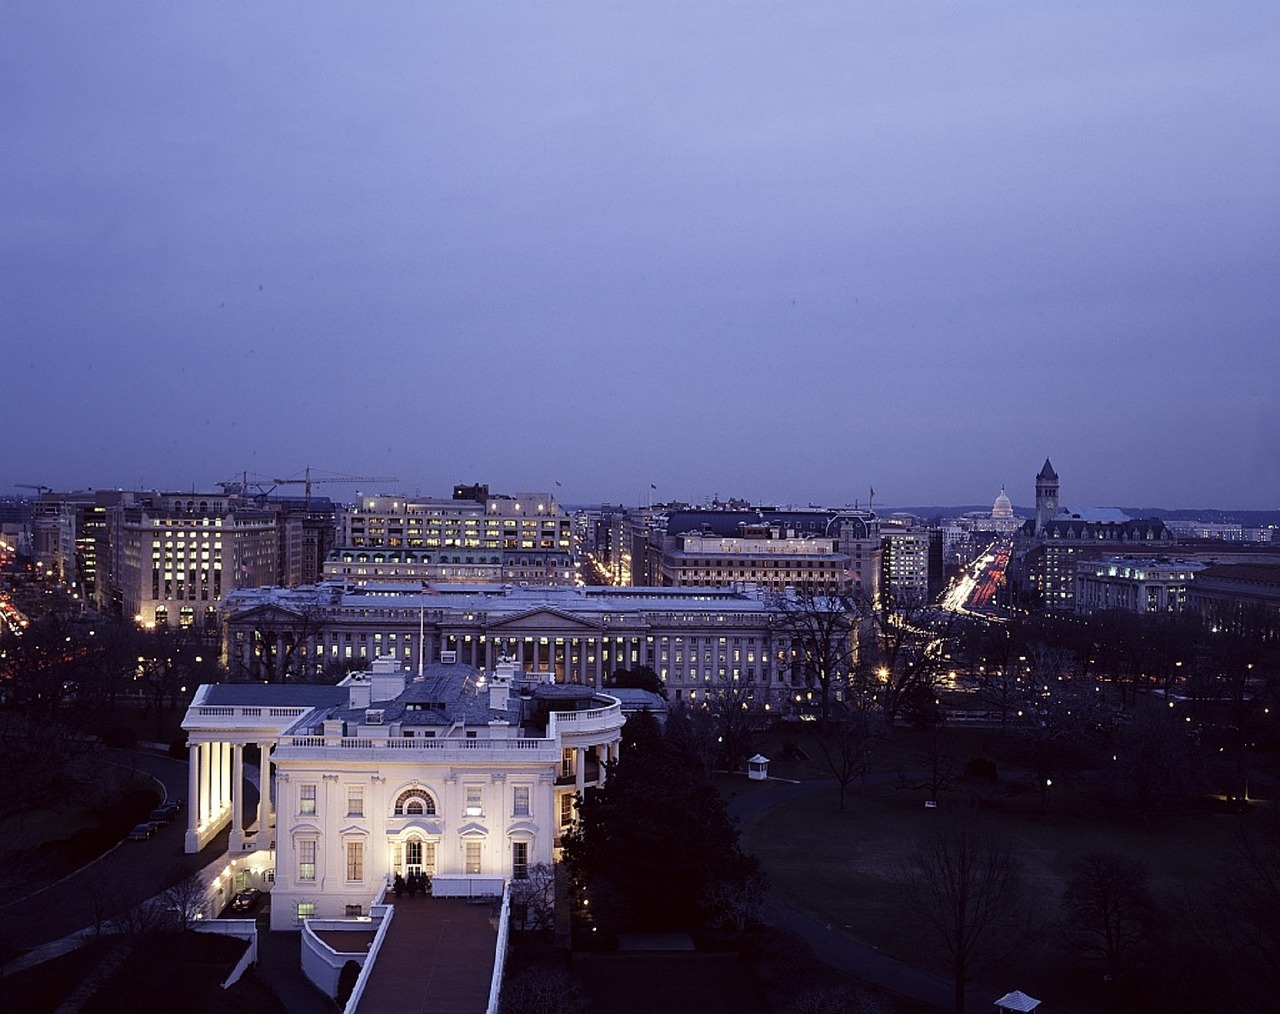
{"x":465,"y":776}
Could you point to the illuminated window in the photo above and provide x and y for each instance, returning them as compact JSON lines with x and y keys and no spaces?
{"x":307,"y":799}
{"x":520,"y":801}
{"x":416,"y":802}
{"x":306,"y":910}
{"x":355,"y":860}
{"x":307,"y":859}
{"x":475,"y":801}
{"x":472,"y":858}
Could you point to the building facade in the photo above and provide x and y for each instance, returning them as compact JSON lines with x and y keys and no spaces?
{"x":529,"y":533}
{"x":698,"y":640}
{"x":174,"y":556}
{"x":463,"y":777}
{"x":1151,"y":585}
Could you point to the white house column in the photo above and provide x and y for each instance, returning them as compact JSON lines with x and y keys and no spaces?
{"x":193,"y":795}
{"x":264,"y":794}
{"x":580,"y":769}
{"x":206,"y":782}
{"x":237,"y":793}
{"x":218,"y":782}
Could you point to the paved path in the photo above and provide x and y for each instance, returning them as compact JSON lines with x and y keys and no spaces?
{"x":833,"y":947}
{"x":58,"y":918}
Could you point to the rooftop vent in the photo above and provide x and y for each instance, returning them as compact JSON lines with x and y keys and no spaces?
{"x":373,"y":716}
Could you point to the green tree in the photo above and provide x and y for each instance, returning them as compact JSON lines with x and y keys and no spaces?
{"x":649,"y":848}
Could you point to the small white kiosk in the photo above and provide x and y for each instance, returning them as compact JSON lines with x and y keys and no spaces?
{"x":758,"y":768}
{"x":1016,"y":1001}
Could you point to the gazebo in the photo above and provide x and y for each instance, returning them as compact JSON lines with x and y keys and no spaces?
{"x":1017,"y":1001}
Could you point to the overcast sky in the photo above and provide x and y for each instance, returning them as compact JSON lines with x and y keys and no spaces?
{"x":785,"y":251}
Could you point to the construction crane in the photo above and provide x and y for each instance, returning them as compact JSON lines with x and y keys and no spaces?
{"x":38,"y":488}
{"x":307,"y":480}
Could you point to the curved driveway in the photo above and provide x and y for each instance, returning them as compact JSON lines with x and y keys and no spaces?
{"x":118,"y":880}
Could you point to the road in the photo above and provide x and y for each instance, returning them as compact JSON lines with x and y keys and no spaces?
{"x":116,"y":881}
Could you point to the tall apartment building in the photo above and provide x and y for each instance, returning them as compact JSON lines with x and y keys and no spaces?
{"x":530,"y":534}
{"x":173,"y":556}
{"x":911,"y":570}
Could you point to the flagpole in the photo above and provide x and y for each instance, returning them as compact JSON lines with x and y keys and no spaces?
{"x":422,"y":627}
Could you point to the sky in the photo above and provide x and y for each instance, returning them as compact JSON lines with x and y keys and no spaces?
{"x":645,"y":251}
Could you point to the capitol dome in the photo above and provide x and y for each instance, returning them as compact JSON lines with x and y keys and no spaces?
{"x":1003,"y":507}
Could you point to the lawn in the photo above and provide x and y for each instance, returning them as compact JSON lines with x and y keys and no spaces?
{"x":846,"y":869}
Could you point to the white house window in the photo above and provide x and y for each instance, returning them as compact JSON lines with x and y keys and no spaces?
{"x":306,"y":910}
{"x":415,"y":801}
{"x":475,"y":801}
{"x":307,"y":799}
{"x":566,"y":809}
{"x":519,"y":860}
{"x":472,"y":857}
{"x":355,"y":800}
{"x":355,"y":860}
{"x":520,"y":800}
{"x":307,"y":859}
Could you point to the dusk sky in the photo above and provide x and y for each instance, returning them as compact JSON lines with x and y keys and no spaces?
{"x":783,"y":251}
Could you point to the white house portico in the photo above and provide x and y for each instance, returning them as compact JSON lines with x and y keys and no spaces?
{"x":459,"y":775}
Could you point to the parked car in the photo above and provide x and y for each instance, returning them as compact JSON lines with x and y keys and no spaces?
{"x":161,"y":815}
{"x":141,"y":832}
{"x":246,"y":901}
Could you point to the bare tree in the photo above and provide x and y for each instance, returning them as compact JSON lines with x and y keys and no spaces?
{"x":736,"y":722}
{"x":965,"y":883}
{"x":1107,"y":909}
{"x":737,"y":902}
{"x":185,"y":901}
{"x":534,"y":898}
{"x":899,"y":654}
{"x":819,"y":631}
{"x":282,"y":643}
{"x":845,"y":742}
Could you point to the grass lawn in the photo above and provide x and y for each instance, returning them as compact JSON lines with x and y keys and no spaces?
{"x":846,"y":869}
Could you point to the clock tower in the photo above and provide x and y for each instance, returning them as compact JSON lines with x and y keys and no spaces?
{"x":1047,"y":503}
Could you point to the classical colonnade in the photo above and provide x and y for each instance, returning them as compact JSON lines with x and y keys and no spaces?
{"x":215,"y":784}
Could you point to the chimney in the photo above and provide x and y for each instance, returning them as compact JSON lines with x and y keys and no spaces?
{"x":387,"y":678}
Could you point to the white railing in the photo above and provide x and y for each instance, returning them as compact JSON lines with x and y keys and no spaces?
{"x":500,"y":952}
{"x":236,"y":711}
{"x":595,"y":720}
{"x":417,"y":743}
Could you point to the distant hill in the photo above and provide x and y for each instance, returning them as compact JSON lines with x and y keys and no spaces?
{"x":1250,"y":519}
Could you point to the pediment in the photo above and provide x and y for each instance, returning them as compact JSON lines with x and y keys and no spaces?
{"x":429,"y":828}
{"x":545,"y":620}
{"x":473,"y":830}
{"x":522,"y":829}
{"x":267,"y":614}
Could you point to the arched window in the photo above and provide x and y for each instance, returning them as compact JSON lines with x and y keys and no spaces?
{"x":415,"y":802}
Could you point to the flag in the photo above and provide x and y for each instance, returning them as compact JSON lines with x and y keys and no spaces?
{"x":557,"y":484}
{"x":873,"y":492}
{"x":652,"y":486}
